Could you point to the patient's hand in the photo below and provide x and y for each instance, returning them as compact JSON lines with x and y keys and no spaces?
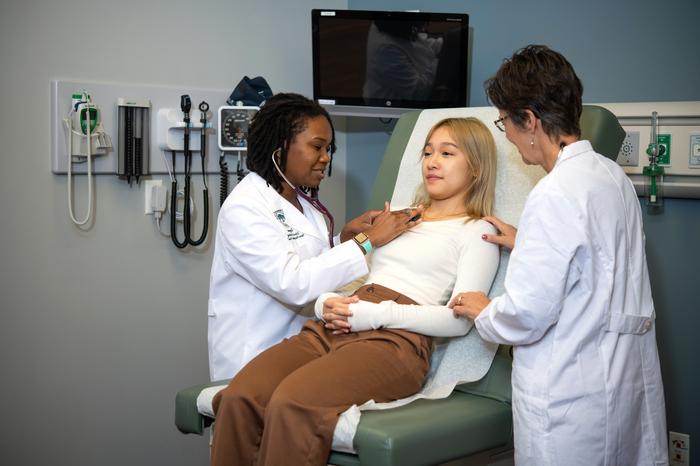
{"x":506,"y":233}
{"x":336,"y":312}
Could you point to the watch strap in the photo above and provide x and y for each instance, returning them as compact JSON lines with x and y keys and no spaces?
{"x":363,"y":241}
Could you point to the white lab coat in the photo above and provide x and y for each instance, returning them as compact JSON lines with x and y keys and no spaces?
{"x":270,"y":260}
{"x":578,"y":309}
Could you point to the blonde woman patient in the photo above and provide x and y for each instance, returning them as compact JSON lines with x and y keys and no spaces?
{"x":282,"y":407}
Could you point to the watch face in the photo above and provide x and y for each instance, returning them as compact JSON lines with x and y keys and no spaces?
{"x":360,"y":237}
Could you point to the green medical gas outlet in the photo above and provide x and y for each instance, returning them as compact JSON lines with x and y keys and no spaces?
{"x":664,"y":141}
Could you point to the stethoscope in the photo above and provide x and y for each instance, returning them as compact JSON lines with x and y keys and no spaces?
{"x":315,"y":203}
{"x":185,"y":106}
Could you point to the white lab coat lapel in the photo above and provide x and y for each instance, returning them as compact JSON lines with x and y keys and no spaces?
{"x":255,"y":297}
{"x":295,"y":220}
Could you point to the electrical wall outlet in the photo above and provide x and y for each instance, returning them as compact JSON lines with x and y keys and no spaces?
{"x":678,"y":449}
{"x":148,"y":204}
{"x":694,"y":157}
{"x":629,"y":152}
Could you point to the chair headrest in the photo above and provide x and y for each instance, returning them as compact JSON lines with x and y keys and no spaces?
{"x":600,"y":126}
{"x":514,"y":179}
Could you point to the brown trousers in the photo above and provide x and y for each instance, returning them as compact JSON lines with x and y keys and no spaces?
{"x":282,"y":407}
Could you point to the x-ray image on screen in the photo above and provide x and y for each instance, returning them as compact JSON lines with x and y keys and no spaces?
{"x":385,"y":59}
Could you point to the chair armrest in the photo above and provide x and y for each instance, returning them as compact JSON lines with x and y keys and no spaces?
{"x":187,"y":419}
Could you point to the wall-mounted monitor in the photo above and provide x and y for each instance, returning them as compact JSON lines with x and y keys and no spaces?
{"x":389,"y":59}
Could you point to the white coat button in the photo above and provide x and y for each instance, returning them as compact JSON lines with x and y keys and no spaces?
{"x":647,"y":325}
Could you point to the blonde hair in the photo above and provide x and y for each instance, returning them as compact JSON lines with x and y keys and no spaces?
{"x":476,"y":142}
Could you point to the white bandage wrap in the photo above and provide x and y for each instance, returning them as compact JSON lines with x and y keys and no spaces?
{"x":435,"y":321}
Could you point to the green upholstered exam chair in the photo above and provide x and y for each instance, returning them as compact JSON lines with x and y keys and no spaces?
{"x":476,"y":417}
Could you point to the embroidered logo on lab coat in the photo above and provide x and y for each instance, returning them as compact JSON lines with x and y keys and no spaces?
{"x":291,"y":232}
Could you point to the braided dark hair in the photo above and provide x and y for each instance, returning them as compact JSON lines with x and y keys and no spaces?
{"x":538,"y":79}
{"x":274,"y":127}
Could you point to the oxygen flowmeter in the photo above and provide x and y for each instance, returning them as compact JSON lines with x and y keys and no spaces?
{"x":654,"y":172}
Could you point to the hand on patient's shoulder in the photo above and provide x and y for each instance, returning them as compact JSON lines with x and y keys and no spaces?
{"x":505,"y":235}
{"x":469,"y":304}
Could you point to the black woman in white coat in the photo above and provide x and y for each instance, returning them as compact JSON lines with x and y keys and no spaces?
{"x":274,"y":251}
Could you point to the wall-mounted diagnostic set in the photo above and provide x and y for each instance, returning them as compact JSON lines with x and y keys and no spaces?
{"x":145,"y":122}
{"x":188,"y":203}
{"x":152,"y":119}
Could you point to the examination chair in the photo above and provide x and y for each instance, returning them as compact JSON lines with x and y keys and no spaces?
{"x":476,"y":417}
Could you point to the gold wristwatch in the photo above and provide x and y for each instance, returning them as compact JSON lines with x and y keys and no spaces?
{"x":363,"y":241}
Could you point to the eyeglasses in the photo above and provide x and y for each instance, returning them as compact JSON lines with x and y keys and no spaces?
{"x":499,"y":123}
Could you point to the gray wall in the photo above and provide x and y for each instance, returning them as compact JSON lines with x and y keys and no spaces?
{"x":673,"y":258}
{"x":625,"y":51}
{"x":99,"y":329}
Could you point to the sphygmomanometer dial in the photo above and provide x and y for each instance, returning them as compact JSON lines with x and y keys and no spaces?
{"x":234,"y":128}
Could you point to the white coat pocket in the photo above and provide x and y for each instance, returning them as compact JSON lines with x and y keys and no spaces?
{"x":212,"y":336}
{"x":629,"y":323}
{"x":211,"y":308}
{"x":529,"y":416}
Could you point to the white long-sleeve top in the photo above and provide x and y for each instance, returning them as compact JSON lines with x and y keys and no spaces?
{"x":430,"y":264}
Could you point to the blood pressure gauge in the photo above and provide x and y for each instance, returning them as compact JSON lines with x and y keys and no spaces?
{"x":233,"y":127}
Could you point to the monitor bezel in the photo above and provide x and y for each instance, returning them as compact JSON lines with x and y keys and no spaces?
{"x":460,"y":100}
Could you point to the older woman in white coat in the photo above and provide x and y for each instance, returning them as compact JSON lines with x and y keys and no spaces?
{"x":274,"y":251}
{"x":577,"y":306}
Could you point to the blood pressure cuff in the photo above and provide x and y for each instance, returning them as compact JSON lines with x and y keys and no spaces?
{"x":250,"y":91}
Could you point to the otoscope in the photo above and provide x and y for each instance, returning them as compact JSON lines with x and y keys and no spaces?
{"x":186,"y":106}
{"x":203,"y":108}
